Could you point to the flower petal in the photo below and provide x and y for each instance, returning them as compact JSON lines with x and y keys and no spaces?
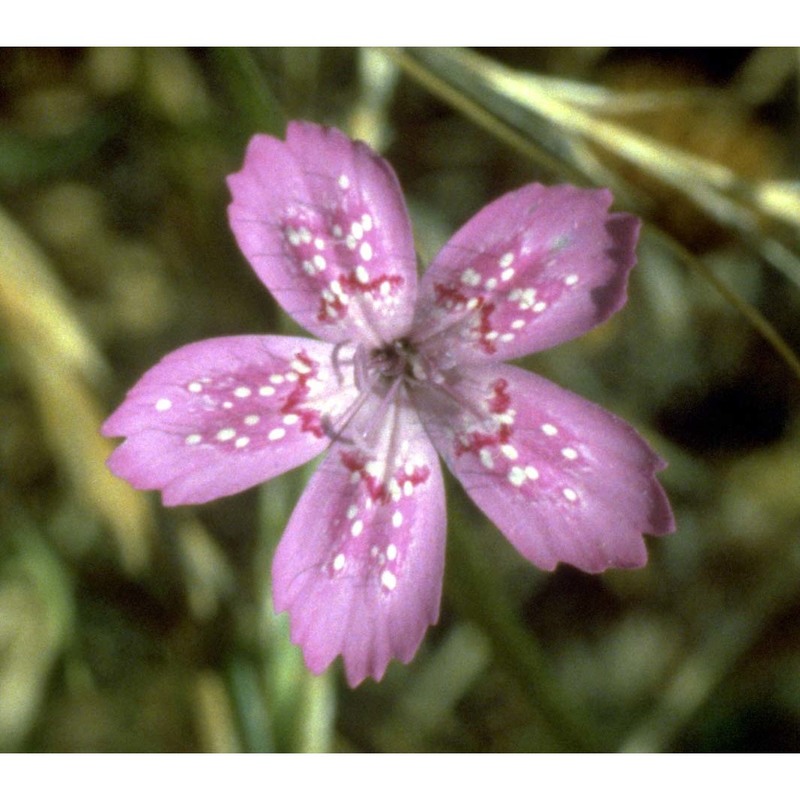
{"x":359,"y":568}
{"x":218,"y":416}
{"x":537,"y":267}
{"x":563,"y":479}
{"x":323,"y":222}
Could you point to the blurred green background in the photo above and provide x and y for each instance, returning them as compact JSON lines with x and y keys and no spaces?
{"x":128,"y":627}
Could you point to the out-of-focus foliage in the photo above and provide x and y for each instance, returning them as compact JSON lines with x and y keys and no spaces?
{"x":128,"y":627}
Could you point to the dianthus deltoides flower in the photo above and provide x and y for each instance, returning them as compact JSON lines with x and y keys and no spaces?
{"x":402,"y":371}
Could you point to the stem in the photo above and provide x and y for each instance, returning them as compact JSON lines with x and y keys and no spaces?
{"x":704,"y":671}
{"x":478,"y":596}
{"x":475,"y":112}
{"x":505,"y":132}
{"x":751,"y":314}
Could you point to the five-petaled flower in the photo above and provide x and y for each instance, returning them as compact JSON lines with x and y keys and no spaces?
{"x":401,"y":372}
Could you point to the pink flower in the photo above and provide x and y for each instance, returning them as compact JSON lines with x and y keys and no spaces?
{"x":402,"y":373}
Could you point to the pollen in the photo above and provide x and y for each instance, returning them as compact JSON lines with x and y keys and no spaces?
{"x":357,"y":528}
{"x":397,"y":520}
{"x":525,"y":297}
{"x":164,"y":404}
{"x":549,"y":430}
{"x":470,"y":278}
{"x":344,"y":182}
{"x":225,"y":434}
{"x":193,"y":438}
{"x":531,"y":473}
{"x":509,"y":451}
{"x":276,"y":433}
{"x":300,"y":366}
{"x":388,"y":579}
{"x":242,"y":391}
{"x":516,"y":476}
{"x":374,"y":468}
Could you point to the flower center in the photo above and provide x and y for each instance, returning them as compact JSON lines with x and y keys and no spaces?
{"x":392,"y":361}
{"x":391,"y":374}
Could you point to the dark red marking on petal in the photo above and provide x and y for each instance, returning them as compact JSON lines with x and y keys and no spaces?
{"x":418,"y":475}
{"x":310,"y":419}
{"x":500,"y":401}
{"x":356,"y":462}
{"x":402,"y":482}
{"x":453,"y":299}
{"x":350,"y":281}
{"x":485,"y":328}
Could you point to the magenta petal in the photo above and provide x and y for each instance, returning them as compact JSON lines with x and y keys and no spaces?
{"x":219,"y":416}
{"x":323,"y":222}
{"x":359,"y":568}
{"x":537,"y":267}
{"x":563,"y":479}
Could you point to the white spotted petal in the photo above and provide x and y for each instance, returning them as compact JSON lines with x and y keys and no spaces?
{"x":219,"y":416}
{"x":323,"y":222}
{"x":537,"y":267}
{"x":359,"y":568}
{"x":563,"y":479}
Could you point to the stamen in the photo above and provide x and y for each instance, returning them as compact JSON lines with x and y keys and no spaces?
{"x":365,"y":383}
{"x":461,"y":401}
{"x":379,"y":417}
{"x":335,"y":361}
